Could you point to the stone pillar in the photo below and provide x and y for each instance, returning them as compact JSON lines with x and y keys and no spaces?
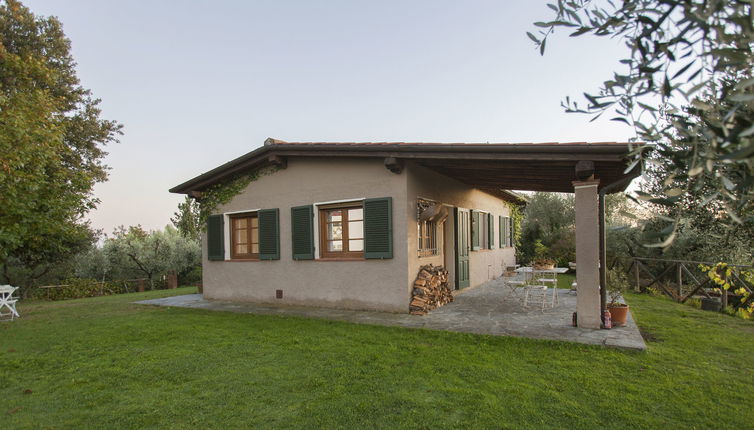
{"x":587,"y":254}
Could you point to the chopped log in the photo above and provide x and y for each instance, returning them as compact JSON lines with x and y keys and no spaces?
{"x":430,"y":290}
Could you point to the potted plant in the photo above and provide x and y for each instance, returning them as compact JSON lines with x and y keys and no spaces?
{"x":617,"y":286}
{"x":541,"y":260}
{"x":543,"y":263}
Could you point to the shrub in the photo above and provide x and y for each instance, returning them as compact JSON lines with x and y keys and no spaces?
{"x":618,"y":285}
{"x":76,"y":288}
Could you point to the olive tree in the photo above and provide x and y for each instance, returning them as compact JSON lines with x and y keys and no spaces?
{"x":135,"y":253}
{"x":685,"y":86}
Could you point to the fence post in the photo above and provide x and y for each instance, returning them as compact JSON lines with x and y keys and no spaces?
{"x":172,"y":280}
{"x":680,"y":282}
{"x":636,"y":273}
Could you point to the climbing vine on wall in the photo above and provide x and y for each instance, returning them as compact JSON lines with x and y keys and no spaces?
{"x":224,"y":192}
{"x":516,"y":218}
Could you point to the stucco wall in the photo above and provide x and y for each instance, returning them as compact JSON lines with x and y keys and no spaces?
{"x":484,"y":264}
{"x":367,"y":284}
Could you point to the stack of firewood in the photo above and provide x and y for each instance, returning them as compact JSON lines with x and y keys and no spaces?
{"x":430,"y":290}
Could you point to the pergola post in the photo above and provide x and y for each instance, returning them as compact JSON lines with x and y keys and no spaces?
{"x":587,"y":253}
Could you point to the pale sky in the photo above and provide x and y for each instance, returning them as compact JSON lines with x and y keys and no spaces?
{"x":198,"y":83}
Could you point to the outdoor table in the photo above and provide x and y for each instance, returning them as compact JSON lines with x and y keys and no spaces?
{"x":531,"y":273}
{"x":556,"y":270}
{"x":7,"y":300}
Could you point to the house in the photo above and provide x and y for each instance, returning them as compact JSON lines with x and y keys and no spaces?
{"x":348,"y":225}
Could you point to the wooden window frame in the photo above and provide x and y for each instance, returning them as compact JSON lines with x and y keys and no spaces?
{"x":346,"y":253}
{"x":507,"y":231}
{"x":249,"y":256}
{"x":484,"y":230}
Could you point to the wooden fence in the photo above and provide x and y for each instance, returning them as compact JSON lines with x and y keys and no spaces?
{"x":683,"y":279}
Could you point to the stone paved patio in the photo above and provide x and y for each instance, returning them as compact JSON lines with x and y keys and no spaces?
{"x":486,"y":309}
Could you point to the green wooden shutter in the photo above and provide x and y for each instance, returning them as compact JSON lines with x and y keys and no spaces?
{"x":475,"y":230}
{"x":509,"y":236}
{"x":491,"y":230}
{"x":216,"y":238}
{"x":512,"y":232}
{"x":269,"y":234}
{"x":378,"y":228}
{"x":501,"y":230}
{"x":302,"y":232}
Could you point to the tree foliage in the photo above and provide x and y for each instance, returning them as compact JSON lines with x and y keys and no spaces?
{"x":688,"y":89}
{"x":549,"y":227}
{"x":547,"y":230}
{"x":51,"y":140}
{"x":135,"y":253}
{"x":187,"y":218}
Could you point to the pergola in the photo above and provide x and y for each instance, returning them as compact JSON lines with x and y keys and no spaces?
{"x":589,"y":170}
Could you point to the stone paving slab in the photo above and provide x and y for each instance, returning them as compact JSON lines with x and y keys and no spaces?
{"x":487,"y":309}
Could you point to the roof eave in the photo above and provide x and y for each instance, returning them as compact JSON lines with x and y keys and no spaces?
{"x":258,"y":157}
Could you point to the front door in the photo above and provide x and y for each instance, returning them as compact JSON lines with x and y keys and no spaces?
{"x":463,"y":243}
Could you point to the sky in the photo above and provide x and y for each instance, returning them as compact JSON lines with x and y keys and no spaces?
{"x":198,"y":83}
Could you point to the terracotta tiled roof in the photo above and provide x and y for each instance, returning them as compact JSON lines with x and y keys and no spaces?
{"x":271,"y":141}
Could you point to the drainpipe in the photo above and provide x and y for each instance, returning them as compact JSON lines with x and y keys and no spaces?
{"x":603,"y":238}
{"x":603,"y":255}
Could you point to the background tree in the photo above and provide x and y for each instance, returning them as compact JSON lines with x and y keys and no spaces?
{"x":688,"y":89}
{"x":547,"y":229}
{"x":135,"y":253}
{"x":51,"y":140}
{"x":187,"y":218}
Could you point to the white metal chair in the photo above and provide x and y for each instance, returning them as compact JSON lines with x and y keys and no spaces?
{"x":8,"y":301}
{"x":535,"y":294}
{"x":513,"y":283}
{"x":550,"y":279}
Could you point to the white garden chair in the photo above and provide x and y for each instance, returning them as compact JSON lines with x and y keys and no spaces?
{"x":513,"y":283}
{"x":8,"y":301}
{"x":535,"y":295}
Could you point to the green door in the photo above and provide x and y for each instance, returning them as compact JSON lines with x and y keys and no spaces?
{"x":462,"y":247}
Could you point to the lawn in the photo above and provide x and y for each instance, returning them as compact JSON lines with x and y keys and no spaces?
{"x":108,"y":363}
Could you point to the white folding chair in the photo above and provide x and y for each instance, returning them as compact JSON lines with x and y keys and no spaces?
{"x":535,"y":294}
{"x":550,"y":279}
{"x":8,"y":301}
{"x":513,"y":283}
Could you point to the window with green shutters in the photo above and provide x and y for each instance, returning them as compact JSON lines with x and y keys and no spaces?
{"x":269,"y":234}
{"x":216,"y":238}
{"x":378,"y":228}
{"x":302,"y":232}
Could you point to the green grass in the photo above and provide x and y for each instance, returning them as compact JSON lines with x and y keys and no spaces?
{"x":565,"y":280}
{"x":108,"y":363}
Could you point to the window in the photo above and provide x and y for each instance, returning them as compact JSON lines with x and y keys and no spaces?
{"x":428,"y":243}
{"x":505,"y":232}
{"x":342,"y":231}
{"x":244,"y":235}
{"x":484,"y":221}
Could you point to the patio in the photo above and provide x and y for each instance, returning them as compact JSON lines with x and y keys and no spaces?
{"x":481,"y":310}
